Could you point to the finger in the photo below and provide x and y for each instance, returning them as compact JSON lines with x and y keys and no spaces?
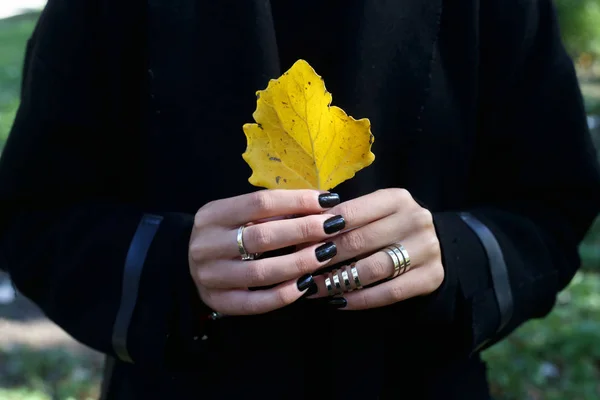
{"x":244,"y":302}
{"x":373,"y":206}
{"x":380,"y":266}
{"x":268,"y":271}
{"x":418,"y":282}
{"x":283,"y":233}
{"x":372,"y":237}
{"x":265,"y":204}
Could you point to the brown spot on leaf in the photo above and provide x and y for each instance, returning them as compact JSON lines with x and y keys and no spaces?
{"x":309,"y":82}
{"x":283,"y":102}
{"x":285,"y":180}
{"x":277,"y":178}
{"x":274,"y":159}
{"x":260,"y":126}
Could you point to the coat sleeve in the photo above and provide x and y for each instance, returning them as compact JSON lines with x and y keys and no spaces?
{"x":535,"y":188}
{"x":75,"y":235}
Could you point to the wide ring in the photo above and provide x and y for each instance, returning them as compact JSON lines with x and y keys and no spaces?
{"x":346,"y":279}
{"x":402,"y":255}
{"x":355,"y":277}
{"x":395,"y":259}
{"x":336,"y":282}
{"x":329,"y":286}
{"x":240,"y":242}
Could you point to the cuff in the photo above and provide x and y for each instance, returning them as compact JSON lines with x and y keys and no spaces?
{"x":466,"y":298}
{"x":168,"y":314}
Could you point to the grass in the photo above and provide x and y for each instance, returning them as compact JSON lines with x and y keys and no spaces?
{"x":14,"y":33}
{"x":554,"y":358}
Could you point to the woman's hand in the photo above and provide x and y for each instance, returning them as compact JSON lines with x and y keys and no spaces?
{"x":215,"y":261}
{"x":375,"y":221}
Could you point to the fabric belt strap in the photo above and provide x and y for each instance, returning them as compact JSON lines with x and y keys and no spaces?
{"x":134,"y":263}
{"x":497,"y":266}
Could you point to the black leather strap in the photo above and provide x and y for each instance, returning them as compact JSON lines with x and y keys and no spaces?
{"x":497,"y":266}
{"x":134,"y":263}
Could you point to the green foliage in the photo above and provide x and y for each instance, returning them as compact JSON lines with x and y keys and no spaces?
{"x":557,"y":357}
{"x":51,"y":373}
{"x":14,"y":33}
{"x":580,"y":25}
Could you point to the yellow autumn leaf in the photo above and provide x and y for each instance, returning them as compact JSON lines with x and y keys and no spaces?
{"x":299,"y":140}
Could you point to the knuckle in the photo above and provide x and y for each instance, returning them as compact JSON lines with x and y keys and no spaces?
{"x":306,"y":201}
{"x":437,"y":277}
{"x":400,"y":194}
{"x":262,"y":201}
{"x":285,"y":297}
{"x":432,"y":246}
{"x":250,"y":307}
{"x":396,"y":293}
{"x":305,"y":230}
{"x":363,"y":302}
{"x":202,"y":277}
{"x":196,"y":250}
{"x":379,"y":269}
{"x":353,"y":242}
{"x":349,"y":212}
{"x":303,"y":264}
{"x":256,"y":274}
{"x":203,"y":213}
{"x":424,"y":218}
{"x":259,"y":237}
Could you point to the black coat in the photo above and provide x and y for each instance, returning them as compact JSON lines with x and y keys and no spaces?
{"x":132,"y":108}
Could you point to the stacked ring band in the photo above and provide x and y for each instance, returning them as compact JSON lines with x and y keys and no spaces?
{"x":400,"y":257}
{"x":338,"y":281}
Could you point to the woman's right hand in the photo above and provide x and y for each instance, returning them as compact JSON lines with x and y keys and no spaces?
{"x":215,"y":262}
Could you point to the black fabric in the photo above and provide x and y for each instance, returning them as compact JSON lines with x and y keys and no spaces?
{"x":131,"y":108}
{"x":498,"y":270}
{"x":132,"y":272}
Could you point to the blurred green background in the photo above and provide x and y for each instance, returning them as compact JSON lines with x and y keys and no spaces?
{"x":554,"y":358}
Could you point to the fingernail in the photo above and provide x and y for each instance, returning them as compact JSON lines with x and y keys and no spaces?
{"x":334,"y":224}
{"x":328,"y":200}
{"x":337,"y":302}
{"x":307,"y":282}
{"x":326,"y":251}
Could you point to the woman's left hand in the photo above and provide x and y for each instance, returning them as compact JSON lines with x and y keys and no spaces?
{"x":373,"y":222}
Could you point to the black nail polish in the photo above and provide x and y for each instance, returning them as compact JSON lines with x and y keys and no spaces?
{"x":334,"y":224}
{"x":307,"y":282}
{"x":328,"y":200}
{"x":326,"y":251}
{"x":337,"y":302}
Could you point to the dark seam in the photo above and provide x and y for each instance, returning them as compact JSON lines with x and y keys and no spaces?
{"x":134,"y":263}
{"x":498,"y":269}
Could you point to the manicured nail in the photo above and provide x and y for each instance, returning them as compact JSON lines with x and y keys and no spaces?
{"x":326,"y":251}
{"x":307,"y":282}
{"x":328,"y":200}
{"x":337,"y":302}
{"x":334,"y":224}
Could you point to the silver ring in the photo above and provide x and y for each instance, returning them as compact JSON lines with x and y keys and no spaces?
{"x":354,"y":273}
{"x":346,"y":280}
{"x":216,"y":315}
{"x":401,"y":252}
{"x":240,"y":242}
{"x":328,"y":285}
{"x":404,"y":254}
{"x":395,"y":259}
{"x":336,"y":282}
